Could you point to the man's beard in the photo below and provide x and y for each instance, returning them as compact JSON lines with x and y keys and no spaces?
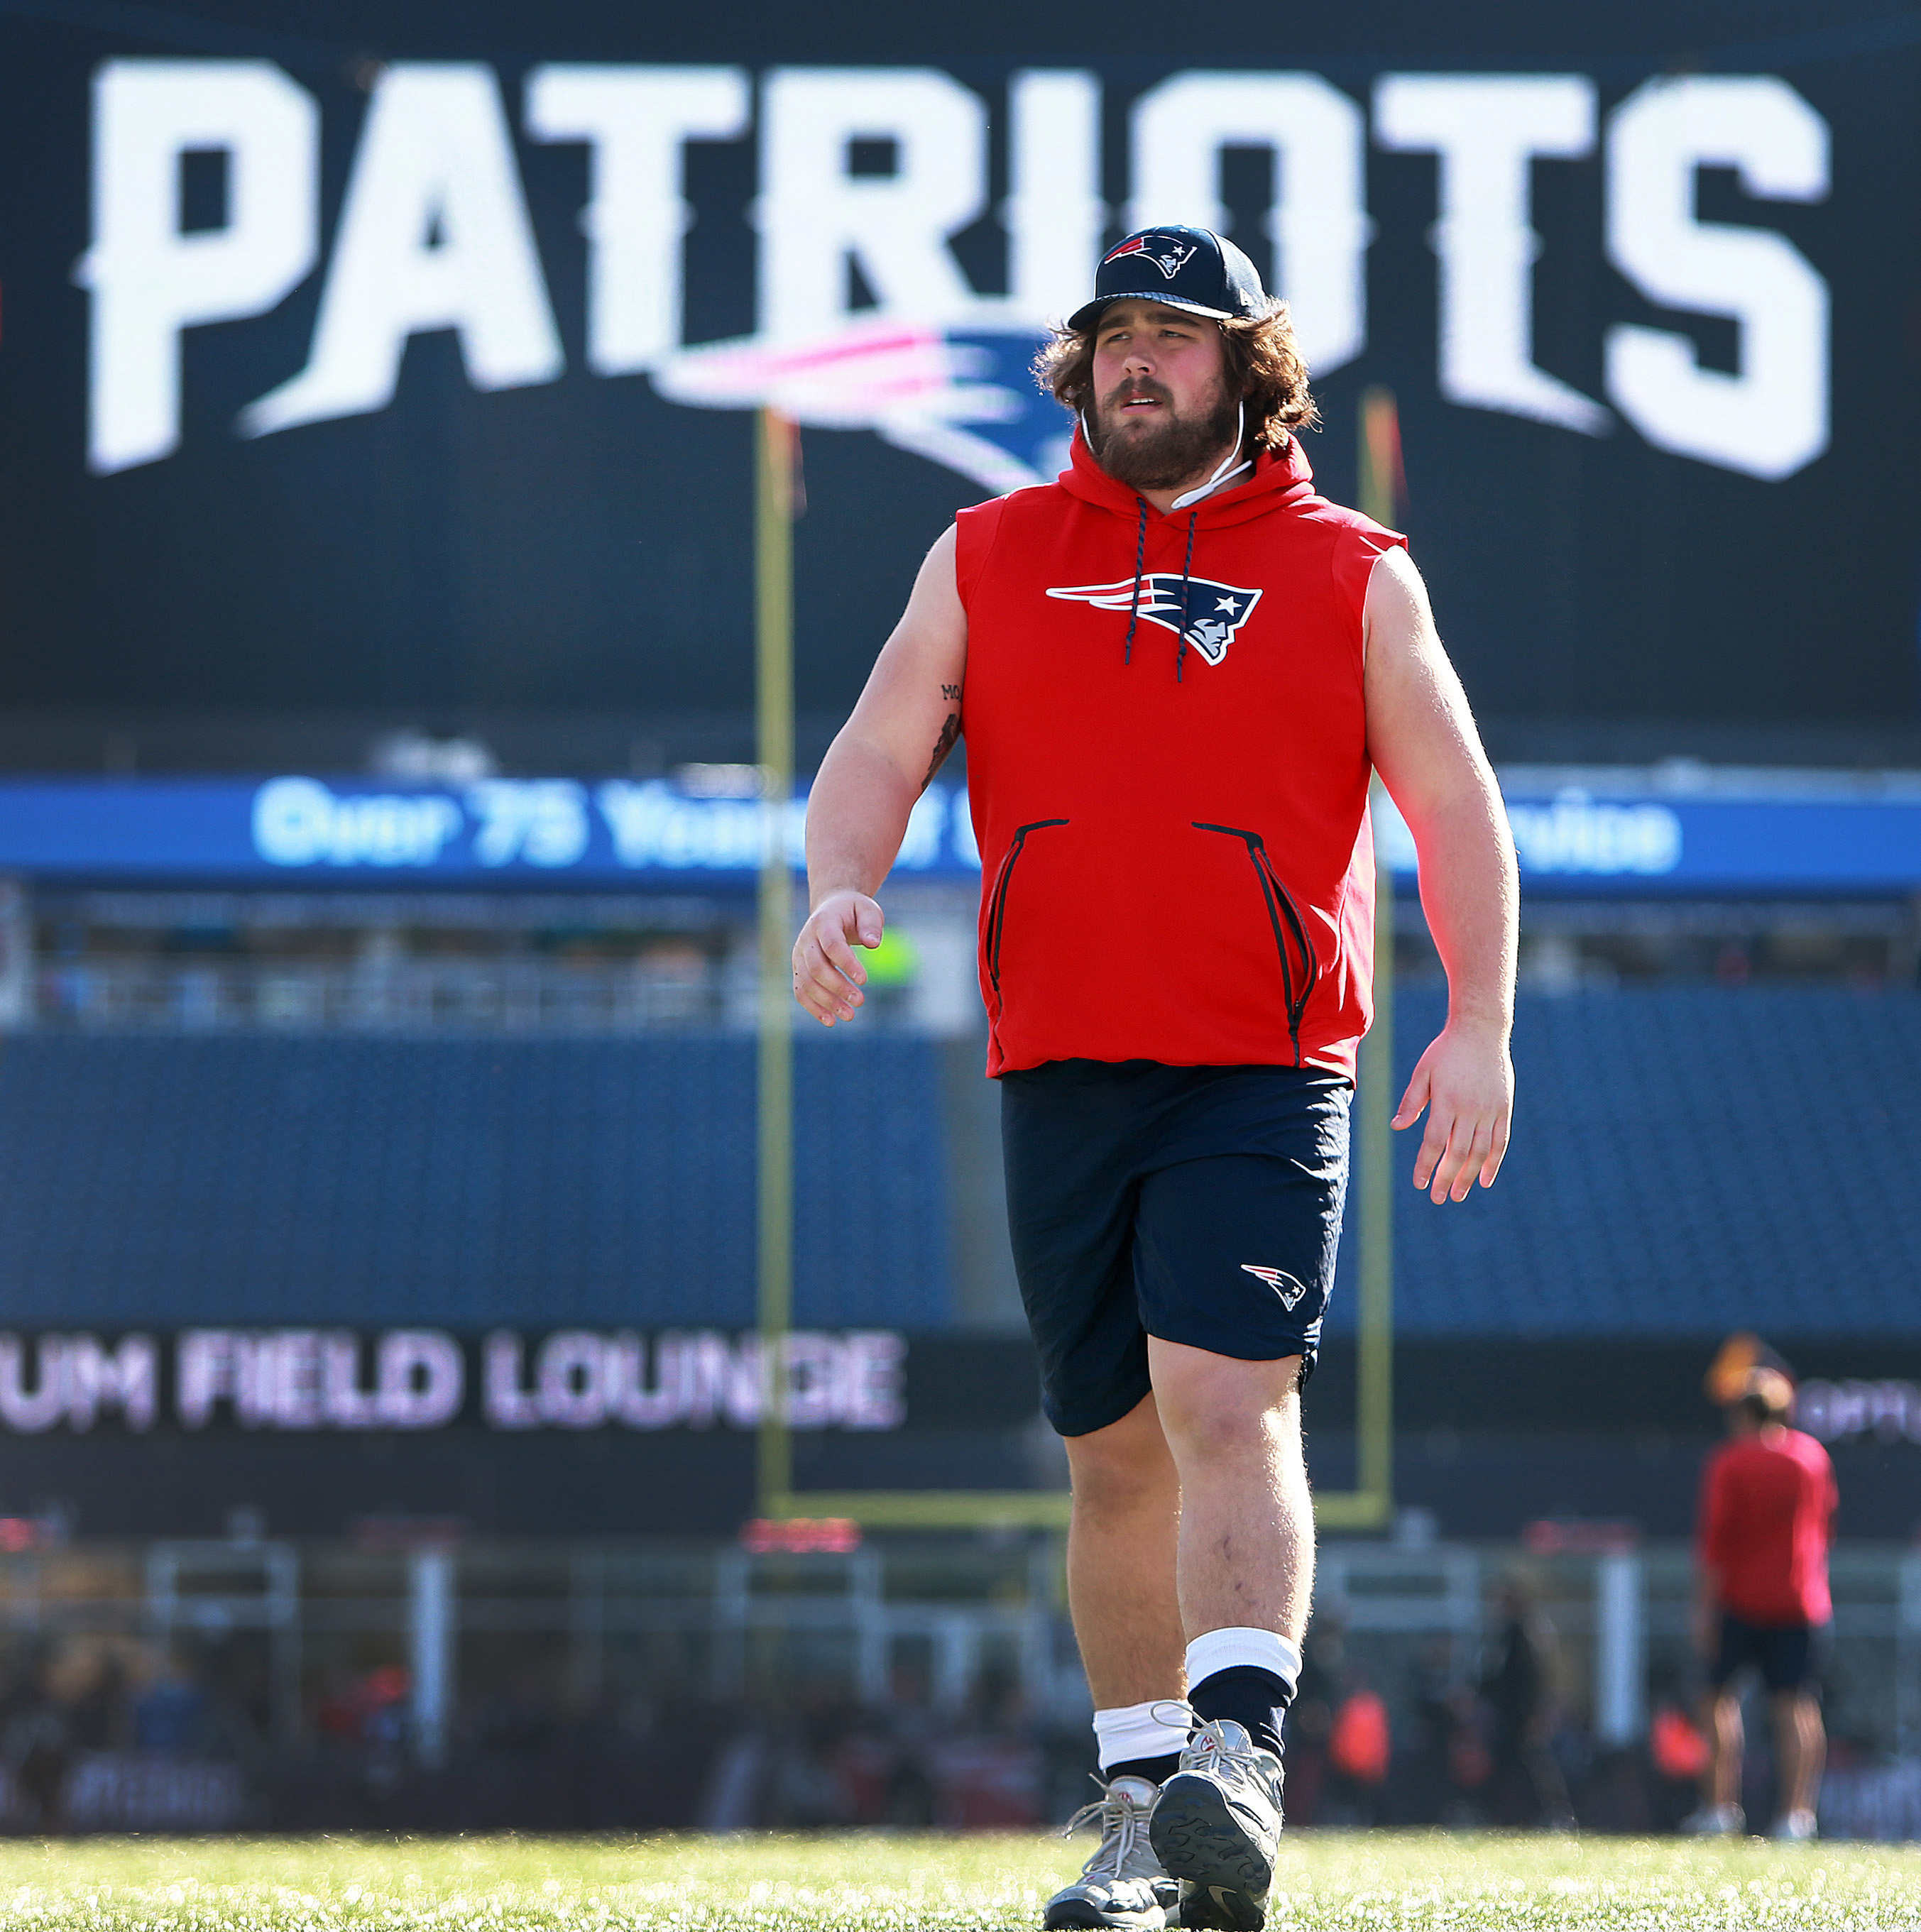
{"x":1176,"y":448}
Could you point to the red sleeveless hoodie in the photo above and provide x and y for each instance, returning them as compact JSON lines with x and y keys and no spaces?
{"x":1167,"y":767}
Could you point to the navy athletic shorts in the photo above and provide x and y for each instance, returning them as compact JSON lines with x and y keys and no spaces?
{"x":1787,"y":1659}
{"x":1200,"y":1205}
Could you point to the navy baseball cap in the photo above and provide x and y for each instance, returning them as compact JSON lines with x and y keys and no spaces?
{"x":1193,"y":268}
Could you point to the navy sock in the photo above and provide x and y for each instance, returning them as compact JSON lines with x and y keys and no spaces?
{"x":1253,"y":1698}
{"x":1155,"y":1770}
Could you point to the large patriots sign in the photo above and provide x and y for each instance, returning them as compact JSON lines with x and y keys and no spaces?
{"x":352,"y":360}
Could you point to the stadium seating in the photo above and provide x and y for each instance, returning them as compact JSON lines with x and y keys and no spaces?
{"x":1686,"y":1161}
{"x":168,"y":1180}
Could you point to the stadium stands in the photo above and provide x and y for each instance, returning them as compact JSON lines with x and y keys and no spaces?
{"x":157,"y":1180}
{"x":1687,"y":1160}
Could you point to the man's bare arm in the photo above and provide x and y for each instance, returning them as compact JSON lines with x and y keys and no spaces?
{"x":907,"y":721}
{"x":1422,"y":738}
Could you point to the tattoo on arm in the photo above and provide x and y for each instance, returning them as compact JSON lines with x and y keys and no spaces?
{"x":951,"y":692}
{"x":950,"y":733}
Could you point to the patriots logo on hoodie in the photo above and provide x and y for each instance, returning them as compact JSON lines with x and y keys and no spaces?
{"x":1215,"y":612}
{"x":1168,"y":255}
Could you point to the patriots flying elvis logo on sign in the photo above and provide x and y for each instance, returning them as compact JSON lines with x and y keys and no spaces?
{"x":1215,"y":612}
{"x":1168,"y":255}
{"x":1283,"y":1283}
{"x":962,"y":396}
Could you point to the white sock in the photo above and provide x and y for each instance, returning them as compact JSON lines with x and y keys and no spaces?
{"x":1132,"y":1730}
{"x":1238,"y":1647}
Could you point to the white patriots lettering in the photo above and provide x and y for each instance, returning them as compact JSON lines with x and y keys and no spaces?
{"x":1210,"y":615}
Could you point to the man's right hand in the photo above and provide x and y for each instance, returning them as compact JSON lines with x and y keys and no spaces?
{"x":827,"y":976}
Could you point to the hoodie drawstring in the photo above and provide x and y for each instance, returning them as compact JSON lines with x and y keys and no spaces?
{"x":1140,"y":578}
{"x":1187,"y":574}
{"x":1140,"y":559}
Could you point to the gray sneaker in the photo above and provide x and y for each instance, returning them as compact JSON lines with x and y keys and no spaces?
{"x":1714,"y":1821}
{"x":1216,"y":1829}
{"x":1122,"y":1884}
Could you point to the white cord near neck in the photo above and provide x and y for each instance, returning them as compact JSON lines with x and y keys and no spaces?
{"x":1223,"y":474}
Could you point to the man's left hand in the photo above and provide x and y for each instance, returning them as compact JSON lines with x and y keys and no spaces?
{"x":1466,"y":1081}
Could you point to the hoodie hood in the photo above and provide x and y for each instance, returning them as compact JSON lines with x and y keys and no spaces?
{"x":1276,"y":482}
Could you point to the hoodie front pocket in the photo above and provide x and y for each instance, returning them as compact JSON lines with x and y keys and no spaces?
{"x":1300,"y":965}
{"x":997,"y":906}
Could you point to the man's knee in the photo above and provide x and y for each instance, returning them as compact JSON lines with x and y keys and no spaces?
{"x":1212,"y":1406}
{"x":1123,"y":1467}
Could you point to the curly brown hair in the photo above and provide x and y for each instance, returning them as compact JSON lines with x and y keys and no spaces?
{"x":1263,"y":366}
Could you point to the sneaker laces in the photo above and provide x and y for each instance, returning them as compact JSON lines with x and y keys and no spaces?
{"x":1207,"y":1748}
{"x":1122,"y":1825}
{"x":1204,"y":1738}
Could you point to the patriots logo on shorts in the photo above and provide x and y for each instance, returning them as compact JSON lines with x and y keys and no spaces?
{"x":1168,"y":255}
{"x":1215,"y":611}
{"x":1283,"y":1283}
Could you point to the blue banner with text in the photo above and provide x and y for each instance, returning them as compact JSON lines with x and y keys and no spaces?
{"x":620,"y":832}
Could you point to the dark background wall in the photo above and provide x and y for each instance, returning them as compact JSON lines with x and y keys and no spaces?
{"x":580,"y":547}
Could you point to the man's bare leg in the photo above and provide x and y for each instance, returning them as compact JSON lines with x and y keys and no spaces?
{"x":1247,"y":1554}
{"x":1705,"y":1785}
{"x":1246,"y":1576}
{"x":1800,"y":1749}
{"x":1121,"y":1550}
{"x":1730,"y":1747}
{"x":1120,"y":1560}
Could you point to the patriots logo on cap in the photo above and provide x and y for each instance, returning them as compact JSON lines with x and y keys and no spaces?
{"x":1283,"y":1283}
{"x":1168,"y":255}
{"x":1213,"y":612}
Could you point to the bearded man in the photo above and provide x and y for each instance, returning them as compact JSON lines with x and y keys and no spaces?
{"x":1176,"y":669}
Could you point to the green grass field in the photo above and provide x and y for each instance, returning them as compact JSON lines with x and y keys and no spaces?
{"x":859,"y":1882}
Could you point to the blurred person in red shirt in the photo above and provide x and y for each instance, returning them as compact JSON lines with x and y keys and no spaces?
{"x":1767,"y":1506}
